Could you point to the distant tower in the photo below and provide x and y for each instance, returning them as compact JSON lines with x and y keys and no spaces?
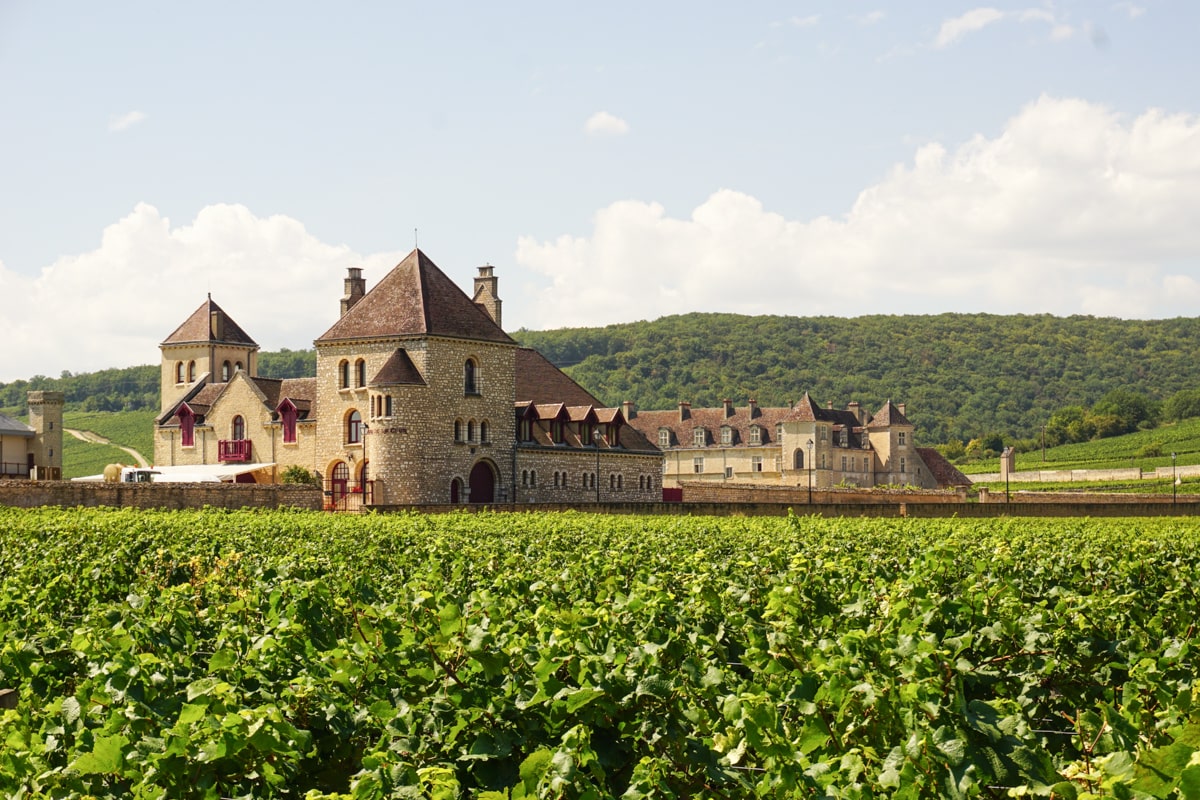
{"x":487,"y":295}
{"x":46,"y":419}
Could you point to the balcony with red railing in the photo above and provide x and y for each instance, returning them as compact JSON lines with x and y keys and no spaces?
{"x":237,"y":450}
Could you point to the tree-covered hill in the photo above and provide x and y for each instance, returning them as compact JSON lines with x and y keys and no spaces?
{"x":960,"y":374}
{"x":136,"y":388}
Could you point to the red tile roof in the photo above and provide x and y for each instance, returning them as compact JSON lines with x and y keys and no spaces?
{"x":199,"y":327}
{"x":945,"y":473}
{"x":415,"y":298}
{"x":888,"y":416}
{"x":539,"y":381}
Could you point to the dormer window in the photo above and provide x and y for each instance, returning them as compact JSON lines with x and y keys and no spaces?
{"x":288,"y":417}
{"x":699,"y":437}
{"x":664,"y":437}
{"x":187,"y":427}
{"x":726,"y":435}
{"x":755,"y":434}
{"x":585,"y":434}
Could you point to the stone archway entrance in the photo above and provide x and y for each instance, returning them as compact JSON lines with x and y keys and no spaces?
{"x":483,"y":483}
{"x":456,"y":491}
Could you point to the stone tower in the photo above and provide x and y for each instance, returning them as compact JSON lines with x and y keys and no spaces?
{"x":46,"y":419}
{"x":209,"y":342}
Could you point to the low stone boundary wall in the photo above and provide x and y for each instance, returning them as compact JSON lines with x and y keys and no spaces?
{"x":709,"y":492}
{"x":1063,"y":475}
{"x":69,"y":494}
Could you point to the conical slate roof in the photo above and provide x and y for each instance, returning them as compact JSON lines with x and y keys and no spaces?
{"x":209,"y":323}
{"x":415,"y":298}
{"x":887,"y":416}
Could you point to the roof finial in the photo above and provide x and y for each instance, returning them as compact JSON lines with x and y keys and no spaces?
{"x":416,"y":243}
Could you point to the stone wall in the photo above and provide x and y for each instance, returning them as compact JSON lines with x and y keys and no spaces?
{"x":1063,"y":475}
{"x":706,"y":492}
{"x":623,"y":477}
{"x":69,"y":494}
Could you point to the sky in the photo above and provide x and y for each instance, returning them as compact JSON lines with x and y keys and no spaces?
{"x":614,"y":161}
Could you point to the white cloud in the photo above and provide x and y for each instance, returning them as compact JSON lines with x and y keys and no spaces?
{"x":603,"y":123}
{"x":953,"y":30}
{"x":118,"y":123}
{"x":1070,"y":209}
{"x":871,"y":18}
{"x":113,"y":305}
{"x":798,"y":22}
{"x":1132,"y":9}
{"x":974,"y":20}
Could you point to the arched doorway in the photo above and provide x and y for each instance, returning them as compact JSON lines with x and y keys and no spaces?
{"x":456,"y":491}
{"x":339,"y":480}
{"x":483,"y":483}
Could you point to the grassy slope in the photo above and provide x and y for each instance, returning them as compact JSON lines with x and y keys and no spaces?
{"x":129,"y":428}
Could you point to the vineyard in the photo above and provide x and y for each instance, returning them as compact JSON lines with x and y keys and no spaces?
{"x":224,"y":655}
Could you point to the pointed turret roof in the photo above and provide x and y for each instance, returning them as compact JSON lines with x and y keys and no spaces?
{"x":415,"y":298}
{"x":209,"y":323}
{"x":887,"y":416}
{"x":398,"y":371}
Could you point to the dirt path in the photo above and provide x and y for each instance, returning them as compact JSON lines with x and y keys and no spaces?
{"x":95,"y":438}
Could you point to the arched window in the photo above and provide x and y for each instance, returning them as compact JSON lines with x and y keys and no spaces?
{"x":179,"y":372}
{"x":620,"y":481}
{"x":456,"y":491}
{"x":344,"y":374}
{"x":483,"y":431}
{"x":191,"y":371}
{"x":471,"y":430}
{"x":798,"y":459}
{"x":238,"y":428}
{"x":225,"y":372}
{"x":237,"y":367}
{"x":470,"y":377}
{"x":458,"y":430}
{"x":524,"y":477}
{"x":387,"y":406}
{"x":360,"y":373}
{"x":533,"y":477}
{"x":354,"y":428}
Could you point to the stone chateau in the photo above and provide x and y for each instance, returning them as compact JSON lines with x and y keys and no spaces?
{"x":800,"y":445}
{"x":420,"y":397}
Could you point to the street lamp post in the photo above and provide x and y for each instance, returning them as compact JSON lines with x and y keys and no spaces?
{"x":596,"y":476}
{"x":810,"y":471}
{"x":1174,"y":481}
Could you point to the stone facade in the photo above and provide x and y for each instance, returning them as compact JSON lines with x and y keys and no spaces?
{"x":416,"y":401}
{"x":801,"y":445}
{"x":34,"y":451}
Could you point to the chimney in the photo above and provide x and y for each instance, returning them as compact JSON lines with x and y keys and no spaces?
{"x":685,"y":410}
{"x":900,"y":408}
{"x":487,"y":292}
{"x":628,"y":410}
{"x":854,"y":408}
{"x":829,"y":405}
{"x":791,"y":404}
{"x":356,"y":287}
{"x":752,"y":406}
{"x":727,"y":405}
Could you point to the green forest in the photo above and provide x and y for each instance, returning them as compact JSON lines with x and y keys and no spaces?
{"x":962,"y":376}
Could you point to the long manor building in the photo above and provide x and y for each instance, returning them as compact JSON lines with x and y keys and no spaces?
{"x":802,"y":444}
{"x":419,"y":397}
